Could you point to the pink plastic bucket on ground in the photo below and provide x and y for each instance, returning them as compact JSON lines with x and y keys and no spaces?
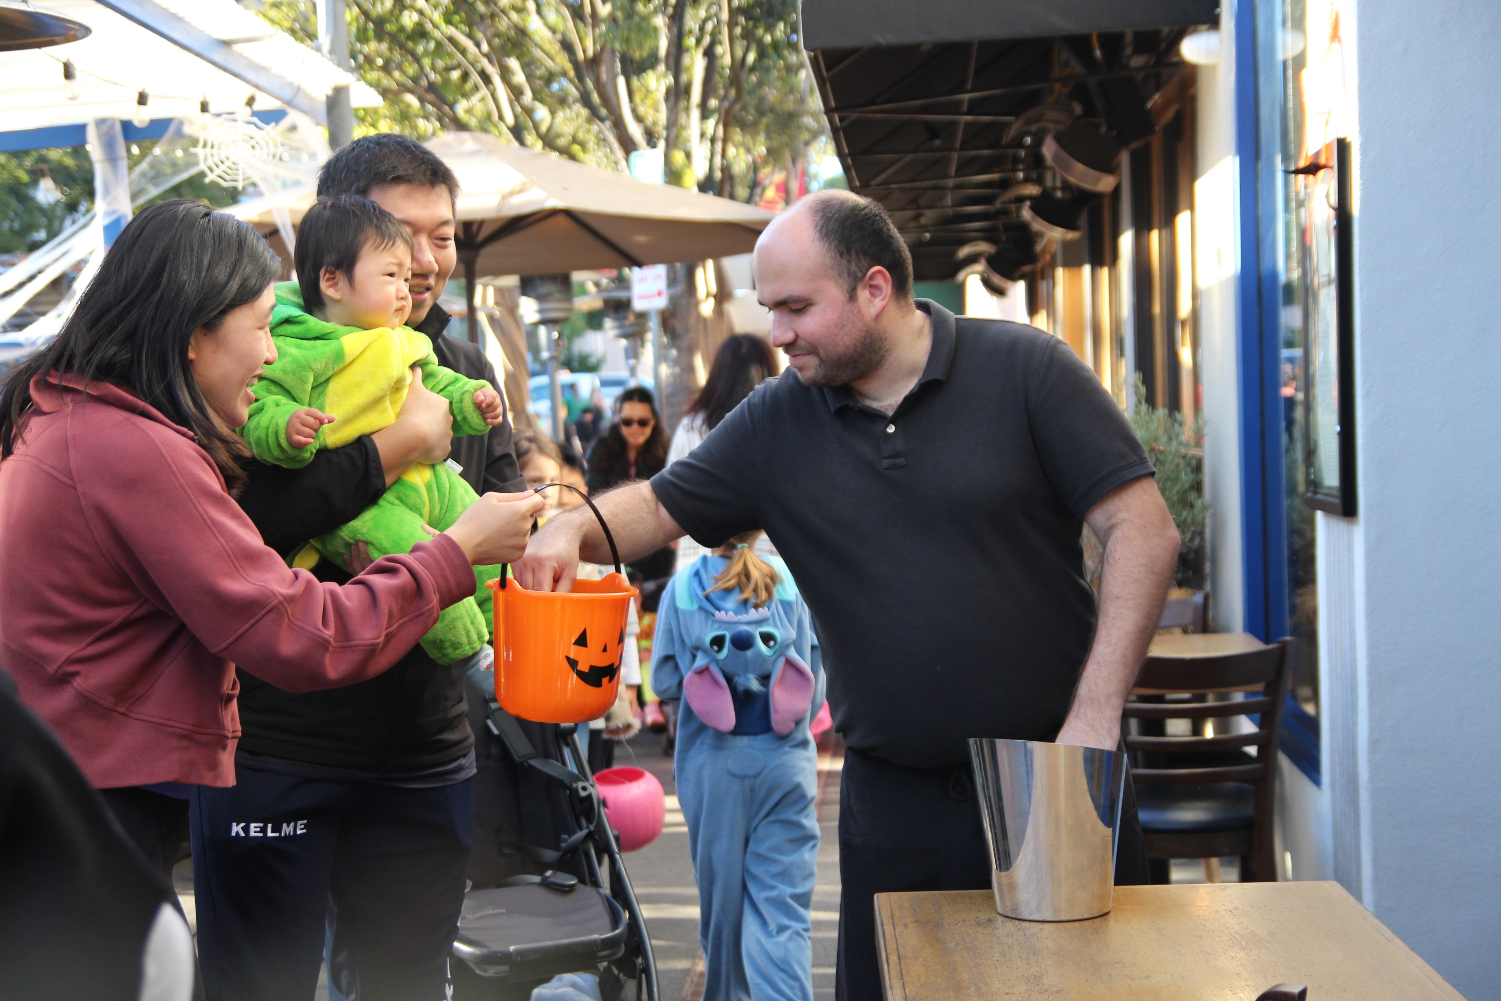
{"x":822,"y":722}
{"x":635,"y":805}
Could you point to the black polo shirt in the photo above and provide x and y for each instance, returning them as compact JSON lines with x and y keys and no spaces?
{"x":938,"y":548}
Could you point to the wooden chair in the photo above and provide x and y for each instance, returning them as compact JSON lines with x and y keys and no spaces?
{"x":1203,"y":796}
{"x":1191,"y":611}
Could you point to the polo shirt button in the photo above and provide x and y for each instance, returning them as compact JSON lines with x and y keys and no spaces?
{"x":890,"y":428}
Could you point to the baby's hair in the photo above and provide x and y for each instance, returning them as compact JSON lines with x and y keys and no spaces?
{"x":333,"y":234}
{"x":750,"y":574}
{"x":530,"y":443}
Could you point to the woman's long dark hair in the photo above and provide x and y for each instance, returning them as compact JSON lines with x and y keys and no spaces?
{"x":741,"y":364}
{"x":609,"y":449}
{"x":174,"y":268}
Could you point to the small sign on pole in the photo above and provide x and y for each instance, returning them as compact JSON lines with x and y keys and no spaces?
{"x":649,"y":288}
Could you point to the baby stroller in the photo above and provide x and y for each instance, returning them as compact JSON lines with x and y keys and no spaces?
{"x":548,"y":890}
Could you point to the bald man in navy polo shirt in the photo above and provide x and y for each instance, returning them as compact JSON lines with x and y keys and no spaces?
{"x":926,"y":477}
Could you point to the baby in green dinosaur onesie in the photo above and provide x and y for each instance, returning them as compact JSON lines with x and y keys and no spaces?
{"x":344,"y":364}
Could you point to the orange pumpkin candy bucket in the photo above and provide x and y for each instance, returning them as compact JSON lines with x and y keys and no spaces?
{"x":557,"y":654}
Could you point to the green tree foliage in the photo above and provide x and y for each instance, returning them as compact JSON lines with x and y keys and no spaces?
{"x":720,"y":85}
{"x":29,"y":219}
{"x":1176,"y":447}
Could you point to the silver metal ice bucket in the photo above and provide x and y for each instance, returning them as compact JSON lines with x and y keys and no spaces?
{"x":1051,"y":813}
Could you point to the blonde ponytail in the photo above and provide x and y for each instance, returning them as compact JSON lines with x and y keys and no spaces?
{"x":750,"y":574}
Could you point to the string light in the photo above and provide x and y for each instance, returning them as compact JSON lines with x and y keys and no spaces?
{"x":142,"y":117}
{"x":70,"y":80}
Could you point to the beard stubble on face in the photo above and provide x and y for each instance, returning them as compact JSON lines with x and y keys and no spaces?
{"x":860,"y":350}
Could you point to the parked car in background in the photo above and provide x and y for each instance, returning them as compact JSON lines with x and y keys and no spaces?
{"x":580,"y":384}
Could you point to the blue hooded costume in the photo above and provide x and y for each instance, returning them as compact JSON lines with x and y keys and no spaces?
{"x":746,"y":769}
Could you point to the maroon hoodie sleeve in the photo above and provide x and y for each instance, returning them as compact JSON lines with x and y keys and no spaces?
{"x":159,"y":511}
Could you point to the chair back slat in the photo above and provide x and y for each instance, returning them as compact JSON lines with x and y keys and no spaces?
{"x":1254,"y":770}
{"x":1203,"y":674}
{"x":1198,"y":745}
{"x":1197,"y":710}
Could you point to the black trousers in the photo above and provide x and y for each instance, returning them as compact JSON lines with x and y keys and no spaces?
{"x":278,"y":860}
{"x":904,"y":829}
{"x":156,"y":824}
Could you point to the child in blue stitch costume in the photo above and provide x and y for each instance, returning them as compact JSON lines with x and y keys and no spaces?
{"x":734,"y":641}
{"x":344,"y":365}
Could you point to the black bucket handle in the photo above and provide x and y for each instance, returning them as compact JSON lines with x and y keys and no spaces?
{"x":610,"y":538}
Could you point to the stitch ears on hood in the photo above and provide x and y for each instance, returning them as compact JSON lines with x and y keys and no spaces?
{"x":791,"y":696}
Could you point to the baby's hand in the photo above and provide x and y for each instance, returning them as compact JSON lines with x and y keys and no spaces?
{"x":303,"y":425}
{"x":491,"y":406}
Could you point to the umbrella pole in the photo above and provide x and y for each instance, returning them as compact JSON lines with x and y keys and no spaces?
{"x":659,"y":384}
{"x":554,"y":382}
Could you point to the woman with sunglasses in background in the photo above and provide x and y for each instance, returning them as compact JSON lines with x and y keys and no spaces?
{"x":634,"y":448}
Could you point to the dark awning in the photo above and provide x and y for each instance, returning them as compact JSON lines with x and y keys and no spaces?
{"x":851,"y":24}
{"x":946,"y":129}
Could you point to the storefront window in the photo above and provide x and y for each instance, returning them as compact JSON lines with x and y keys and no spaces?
{"x":1301,"y":87}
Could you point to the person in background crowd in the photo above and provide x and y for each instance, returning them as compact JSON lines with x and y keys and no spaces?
{"x":381,"y":771}
{"x":586,"y":428}
{"x":634,"y":448}
{"x":741,"y":364}
{"x":735,"y":644}
{"x":130,"y":581}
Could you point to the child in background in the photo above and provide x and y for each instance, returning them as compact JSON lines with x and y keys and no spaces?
{"x":734,"y":641}
{"x":344,"y":363}
{"x":540,"y":462}
{"x":573,"y":475}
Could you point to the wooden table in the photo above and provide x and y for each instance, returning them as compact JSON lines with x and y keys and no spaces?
{"x":1192,"y":942}
{"x":1203,"y":645}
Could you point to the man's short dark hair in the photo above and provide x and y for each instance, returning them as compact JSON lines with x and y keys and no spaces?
{"x":334,"y":233}
{"x":374,"y":161}
{"x":859,"y":235}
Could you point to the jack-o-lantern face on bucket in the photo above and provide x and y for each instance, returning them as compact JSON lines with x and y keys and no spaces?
{"x":593,"y":674}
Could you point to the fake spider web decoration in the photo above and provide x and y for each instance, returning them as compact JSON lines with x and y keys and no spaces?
{"x":240,"y":151}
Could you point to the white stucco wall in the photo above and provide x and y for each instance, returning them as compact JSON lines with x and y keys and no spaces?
{"x":1214,"y":272}
{"x":1428,"y":540}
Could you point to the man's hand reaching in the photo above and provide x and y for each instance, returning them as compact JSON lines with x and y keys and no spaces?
{"x":303,"y":425}
{"x":491,"y":406}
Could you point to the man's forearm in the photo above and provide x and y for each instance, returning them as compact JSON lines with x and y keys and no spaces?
{"x":640,"y":525}
{"x":1141,"y":550}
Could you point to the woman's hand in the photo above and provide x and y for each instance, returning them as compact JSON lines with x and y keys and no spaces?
{"x":496,"y":528}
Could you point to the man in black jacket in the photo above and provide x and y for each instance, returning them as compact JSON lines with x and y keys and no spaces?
{"x":352,"y":807}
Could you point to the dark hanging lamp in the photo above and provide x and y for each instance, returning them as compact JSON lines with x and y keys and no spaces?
{"x":23,"y":26}
{"x":1084,"y":156}
{"x":1052,"y":215}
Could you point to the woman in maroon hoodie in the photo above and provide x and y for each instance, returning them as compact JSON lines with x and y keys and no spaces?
{"x":130,"y":580}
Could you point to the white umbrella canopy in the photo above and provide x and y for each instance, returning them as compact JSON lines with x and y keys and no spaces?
{"x":525,"y":212}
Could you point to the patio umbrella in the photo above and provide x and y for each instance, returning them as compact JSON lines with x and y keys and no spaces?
{"x":525,"y":212}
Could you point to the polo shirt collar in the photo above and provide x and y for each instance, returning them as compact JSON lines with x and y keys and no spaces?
{"x":940,"y":356}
